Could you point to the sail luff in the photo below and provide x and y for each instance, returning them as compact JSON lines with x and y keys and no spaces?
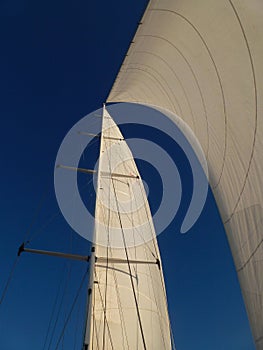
{"x":90,"y":296}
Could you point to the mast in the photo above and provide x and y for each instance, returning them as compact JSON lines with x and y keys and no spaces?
{"x":92,"y":259}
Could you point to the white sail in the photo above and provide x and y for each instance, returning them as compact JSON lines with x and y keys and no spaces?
{"x":203,"y":61}
{"x":129,"y":308}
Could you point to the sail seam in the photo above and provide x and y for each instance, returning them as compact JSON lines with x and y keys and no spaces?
{"x":180,"y":83}
{"x":194,"y":77}
{"x":218,"y":77}
{"x":256,"y":114}
{"x":250,"y":257}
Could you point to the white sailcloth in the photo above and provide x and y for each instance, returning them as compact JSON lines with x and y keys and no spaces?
{"x":203,"y":61}
{"x":129,"y":309}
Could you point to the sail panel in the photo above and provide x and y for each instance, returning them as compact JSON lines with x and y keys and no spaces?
{"x":129,"y":307}
{"x":203,"y":61}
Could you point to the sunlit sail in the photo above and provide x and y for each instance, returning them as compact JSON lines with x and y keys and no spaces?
{"x":128,"y":304}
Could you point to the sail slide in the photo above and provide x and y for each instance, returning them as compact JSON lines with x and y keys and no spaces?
{"x":129,"y":307}
{"x":202,"y":60}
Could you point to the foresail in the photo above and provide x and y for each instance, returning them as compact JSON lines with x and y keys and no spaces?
{"x":203,"y":61}
{"x":129,"y":307}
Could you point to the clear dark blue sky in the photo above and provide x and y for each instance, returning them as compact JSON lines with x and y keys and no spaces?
{"x":58,"y":62}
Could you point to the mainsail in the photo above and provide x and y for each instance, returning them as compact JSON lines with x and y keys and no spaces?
{"x":203,"y":61}
{"x":128,"y":308}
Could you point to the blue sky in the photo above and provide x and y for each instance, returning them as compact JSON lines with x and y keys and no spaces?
{"x":59,"y":60}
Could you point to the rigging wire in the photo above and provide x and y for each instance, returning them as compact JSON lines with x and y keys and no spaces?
{"x":72,"y":308}
{"x":114,"y":272}
{"x":166,"y":302}
{"x":154,"y":239}
{"x":70,"y":269}
{"x":9,"y":280}
{"x":77,"y":326}
{"x":130,"y":169}
{"x":161,"y":277}
{"x":149,"y":218}
{"x":127,"y":257}
{"x":156,"y":301}
{"x":136,"y":266}
{"x":107,"y":263}
{"x":53,"y":311}
{"x":129,"y":267}
{"x":106,"y":284}
{"x":104,"y":310}
{"x":126,"y":251}
{"x":118,"y":298}
{"x":36,"y":214}
{"x":59,"y":309}
{"x":54,"y":216}
{"x":104,"y":303}
{"x":96,"y":333}
{"x":94,"y":325}
{"x":28,"y":238}
{"x":134,"y":228}
{"x":139,"y":233}
{"x":128,"y":217}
